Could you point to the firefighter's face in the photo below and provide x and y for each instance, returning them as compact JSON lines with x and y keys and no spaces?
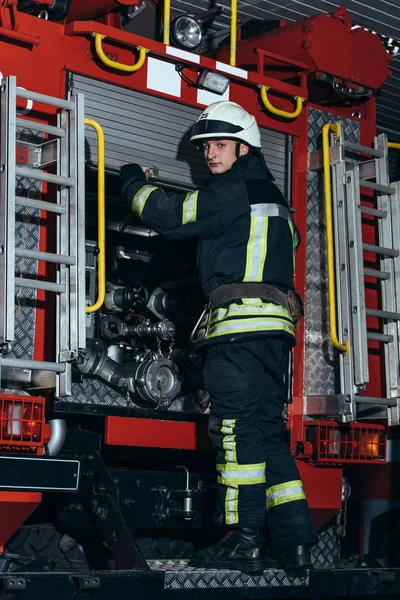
{"x":221,"y":154}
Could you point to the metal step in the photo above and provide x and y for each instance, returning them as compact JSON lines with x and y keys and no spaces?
{"x":382,"y":314}
{"x":36,"y":126}
{"x":45,"y":256}
{"x":40,"y":176}
{"x":377,"y":187}
{"x":380,"y":337}
{"x":377,"y":274}
{"x":376,"y":401}
{"x":40,"y":205}
{"x":363,"y":149}
{"x":36,"y":284}
{"x":375,"y":212}
{"x":381,"y":250}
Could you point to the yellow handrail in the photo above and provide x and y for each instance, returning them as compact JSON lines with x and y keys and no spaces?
{"x":232,"y":52}
{"x":167,"y":21}
{"x":329,"y":238}
{"x":101,"y":226}
{"x":394,"y":145}
{"x":278,"y":111}
{"x":116,"y":65}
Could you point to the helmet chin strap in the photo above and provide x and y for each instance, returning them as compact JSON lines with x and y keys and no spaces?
{"x":256,"y":152}
{"x":237,"y":150}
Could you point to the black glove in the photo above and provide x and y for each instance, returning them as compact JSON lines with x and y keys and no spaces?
{"x":132,"y":171}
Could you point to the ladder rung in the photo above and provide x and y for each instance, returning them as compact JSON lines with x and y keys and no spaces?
{"x":45,"y":256}
{"x":381,"y":250}
{"x":377,"y":274}
{"x":377,"y":401}
{"x":40,"y":205}
{"x":35,"y":284}
{"x":378,"y":187}
{"x":375,"y":212}
{"x":50,"y":100}
{"x":382,"y":314}
{"x":40,"y":176}
{"x":380,"y":337}
{"x":32,"y":364}
{"x":364,"y":149}
{"x":35,"y":125}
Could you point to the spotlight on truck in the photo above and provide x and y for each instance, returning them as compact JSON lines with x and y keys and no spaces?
{"x":187,"y":30}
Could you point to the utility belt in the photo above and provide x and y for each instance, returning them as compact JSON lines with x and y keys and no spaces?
{"x":290,"y":300}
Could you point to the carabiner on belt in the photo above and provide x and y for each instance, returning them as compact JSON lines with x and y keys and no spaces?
{"x":207,"y":310}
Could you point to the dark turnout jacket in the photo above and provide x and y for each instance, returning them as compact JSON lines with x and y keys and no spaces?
{"x":245,"y":233}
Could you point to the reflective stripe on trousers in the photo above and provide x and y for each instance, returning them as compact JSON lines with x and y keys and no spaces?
{"x":285,"y":492}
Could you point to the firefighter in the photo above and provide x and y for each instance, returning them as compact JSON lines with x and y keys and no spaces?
{"x":247,"y":242}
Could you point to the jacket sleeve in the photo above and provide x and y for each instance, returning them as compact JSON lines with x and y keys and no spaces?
{"x":201,"y":213}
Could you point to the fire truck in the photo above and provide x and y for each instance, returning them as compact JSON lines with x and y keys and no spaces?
{"x":107,"y":475}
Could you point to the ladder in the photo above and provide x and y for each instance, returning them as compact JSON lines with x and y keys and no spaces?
{"x":69,"y":258}
{"x":356,"y":171}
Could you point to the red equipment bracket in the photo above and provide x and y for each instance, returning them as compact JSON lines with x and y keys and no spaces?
{"x":154,"y":433}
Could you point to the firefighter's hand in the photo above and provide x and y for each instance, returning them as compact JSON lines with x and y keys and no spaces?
{"x":132,"y":171}
{"x":147,"y":173}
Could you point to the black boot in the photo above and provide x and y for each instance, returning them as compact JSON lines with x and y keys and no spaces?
{"x":297,"y":557}
{"x":241,"y":549}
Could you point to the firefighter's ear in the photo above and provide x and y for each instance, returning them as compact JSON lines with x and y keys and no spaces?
{"x":244,"y":149}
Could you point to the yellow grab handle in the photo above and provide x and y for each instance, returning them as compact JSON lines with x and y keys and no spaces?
{"x":233,"y":44}
{"x":278,"y":111}
{"x":101,"y":227}
{"x":329,"y":238}
{"x":112,"y":63}
{"x":394,"y":145}
{"x":167,"y":21}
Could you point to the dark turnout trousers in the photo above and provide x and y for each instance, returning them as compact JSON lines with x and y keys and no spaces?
{"x":257,"y":477}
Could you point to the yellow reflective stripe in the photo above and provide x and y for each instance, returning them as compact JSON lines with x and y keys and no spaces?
{"x":231,"y":504}
{"x":285,"y":492}
{"x":256,"y":249}
{"x":248,"y":326}
{"x":285,"y":499}
{"x":237,"y":467}
{"x":260,"y":310}
{"x":294,"y":238}
{"x":229,"y":440}
{"x":284,"y":486}
{"x":228,"y":426}
{"x":241,"y":474}
{"x":141,"y":197}
{"x":189,"y":208}
{"x":240,"y":480}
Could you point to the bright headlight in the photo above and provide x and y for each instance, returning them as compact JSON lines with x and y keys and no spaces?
{"x":186,"y":33}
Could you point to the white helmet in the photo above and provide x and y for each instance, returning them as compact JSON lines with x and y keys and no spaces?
{"x":227,"y":120}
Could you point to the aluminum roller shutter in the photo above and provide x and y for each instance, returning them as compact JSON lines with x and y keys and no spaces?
{"x":153,"y":131}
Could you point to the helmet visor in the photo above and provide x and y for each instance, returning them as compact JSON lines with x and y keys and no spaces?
{"x":211,"y":126}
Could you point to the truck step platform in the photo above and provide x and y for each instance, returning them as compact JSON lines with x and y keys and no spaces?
{"x":174,"y":580}
{"x":178,"y":575}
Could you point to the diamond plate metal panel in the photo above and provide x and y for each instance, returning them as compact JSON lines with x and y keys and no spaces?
{"x":178,"y":575}
{"x":93,"y":391}
{"x":321,"y":365}
{"x":26,"y":236}
{"x":327,"y":551}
